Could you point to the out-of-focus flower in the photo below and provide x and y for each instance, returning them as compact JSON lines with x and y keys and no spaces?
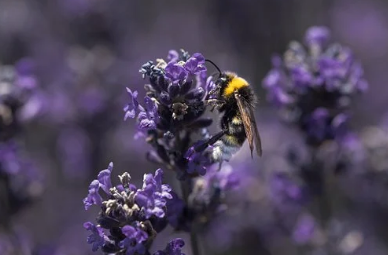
{"x":313,"y":86}
{"x":18,"y":176}
{"x":375,"y":145}
{"x":15,"y":240}
{"x":304,"y":229}
{"x":206,"y":200}
{"x":18,"y":88}
{"x":132,"y":216}
{"x":285,"y":189}
{"x":208,"y":195}
{"x":73,"y":150}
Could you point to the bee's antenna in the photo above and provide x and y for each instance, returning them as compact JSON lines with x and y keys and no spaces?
{"x":211,"y":62}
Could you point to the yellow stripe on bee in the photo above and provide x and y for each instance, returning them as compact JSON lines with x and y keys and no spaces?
{"x":231,"y":139}
{"x":237,"y":121}
{"x":235,"y":84}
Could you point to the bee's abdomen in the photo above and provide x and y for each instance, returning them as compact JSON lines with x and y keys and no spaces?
{"x":232,"y":141}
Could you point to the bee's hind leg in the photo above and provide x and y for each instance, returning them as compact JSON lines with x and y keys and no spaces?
{"x":220,"y":165}
{"x":210,"y":141}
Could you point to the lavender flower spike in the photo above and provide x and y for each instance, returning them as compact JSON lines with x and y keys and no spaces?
{"x":314,"y":84}
{"x":172,"y":110}
{"x":132,"y":216}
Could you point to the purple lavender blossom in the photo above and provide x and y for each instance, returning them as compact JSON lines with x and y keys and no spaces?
{"x":197,"y":162}
{"x":132,"y":106}
{"x":104,"y":178}
{"x":175,"y":73}
{"x":317,"y":36}
{"x":152,"y":198}
{"x":173,"y":248}
{"x":97,"y":237}
{"x":93,"y":197}
{"x":133,"y":243}
{"x":148,"y":116}
{"x":172,"y":109}
{"x":313,"y":86}
{"x":132,"y":216}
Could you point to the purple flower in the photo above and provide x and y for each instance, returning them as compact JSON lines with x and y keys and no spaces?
{"x":97,"y":237}
{"x":93,"y":198}
{"x":174,"y":247}
{"x":317,"y":35}
{"x":312,"y":86}
{"x":152,"y":197}
{"x":162,"y":190}
{"x":301,"y":77}
{"x":195,"y":64}
{"x":133,"y":243}
{"x":273,"y":79}
{"x":279,"y":98}
{"x":197,"y":163}
{"x":176,"y":73}
{"x":172,"y":56}
{"x":173,"y":107}
{"x":133,"y":105}
{"x":104,"y":178}
{"x":148,"y":116}
{"x":132,"y":216}
{"x":104,"y":182}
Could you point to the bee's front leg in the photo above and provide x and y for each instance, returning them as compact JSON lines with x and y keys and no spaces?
{"x":215,"y":103}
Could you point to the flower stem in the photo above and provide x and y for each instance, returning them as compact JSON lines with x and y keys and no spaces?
{"x":4,"y":204}
{"x":186,"y":187}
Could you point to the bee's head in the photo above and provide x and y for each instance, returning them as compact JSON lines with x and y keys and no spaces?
{"x":220,"y":82}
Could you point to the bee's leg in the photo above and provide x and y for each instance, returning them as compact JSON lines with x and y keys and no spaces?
{"x":220,"y":165}
{"x":210,"y":141}
{"x":214,"y":103}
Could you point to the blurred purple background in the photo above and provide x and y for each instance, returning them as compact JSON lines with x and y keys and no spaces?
{"x":83,"y":53}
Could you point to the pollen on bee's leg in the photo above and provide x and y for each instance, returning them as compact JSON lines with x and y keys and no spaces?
{"x":217,"y":153}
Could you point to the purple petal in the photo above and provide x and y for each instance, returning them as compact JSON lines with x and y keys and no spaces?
{"x":104,"y":177}
{"x":93,"y":197}
{"x":317,"y":35}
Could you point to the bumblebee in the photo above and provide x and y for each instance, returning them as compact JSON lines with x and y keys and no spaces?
{"x":235,"y":99}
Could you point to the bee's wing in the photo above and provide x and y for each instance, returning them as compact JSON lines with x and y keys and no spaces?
{"x":249,"y":121}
